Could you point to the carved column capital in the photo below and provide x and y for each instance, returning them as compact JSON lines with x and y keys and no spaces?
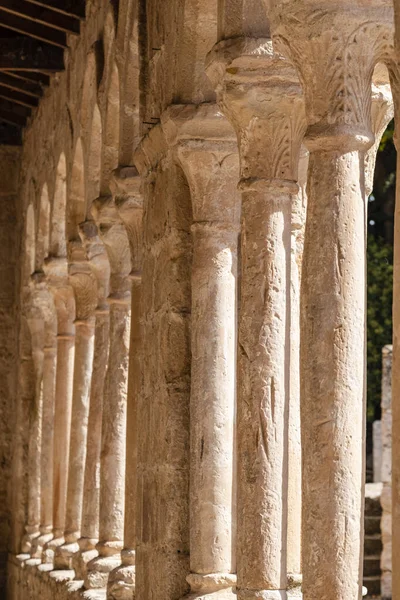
{"x":114,"y":237}
{"x":126,"y":187}
{"x":335,"y":49}
{"x":260,"y":93}
{"x":98,"y":261}
{"x":40,"y":312}
{"x":56,"y":270}
{"x":205,"y":144}
{"x":83,"y":281}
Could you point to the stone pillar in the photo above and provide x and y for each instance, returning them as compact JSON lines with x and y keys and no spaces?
{"x":125,"y":186}
{"x":206,"y":148}
{"x":36,"y":315}
{"x":260,"y":94}
{"x":299,"y":207}
{"x":84,"y":284}
{"x":98,"y":262}
{"x":57,"y":274}
{"x":112,"y":492}
{"x":335,"y":56}
{"x":48,"y":398}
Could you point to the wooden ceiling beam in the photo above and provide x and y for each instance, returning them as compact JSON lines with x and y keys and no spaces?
{"x":21,"y":85}
{"x":10,"y":135}
{"x":23,"y":53}
{"x":30,"y":76}
{"x":34,"y":30}
{"x":74,"y":8}
{"x":18,"y":97}
{"x":41,"y":15}
{"x":12,"y":118}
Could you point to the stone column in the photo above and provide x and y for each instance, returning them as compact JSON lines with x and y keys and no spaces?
{"x":125,"y":186}
{"x":335,"y":55}
{"x":49,"y":318}
{"x":206,"y":148}
{"x":298,"y":220}
{"x":386,"y":475}
{"x":35,"y":319}
{"x":84,"y":284}
{"x":112,"y":493}
{"x":57,"y":274}
{"x":98,"y":261}
{"x":260,"y":94}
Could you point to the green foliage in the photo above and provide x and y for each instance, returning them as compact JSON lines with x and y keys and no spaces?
{"x":379,"y":316}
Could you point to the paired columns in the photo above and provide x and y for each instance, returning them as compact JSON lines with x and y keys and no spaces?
{"x":112,"y":477}
{"x":205,"y":146}
{"x":57,"y":274}
{"x":84,"y":285}
{"x":335,"y":55}
{"x":260,"y":94}
{"x":100,"y":267}
{"x":125,"y":186}
{"x":40,"y":315}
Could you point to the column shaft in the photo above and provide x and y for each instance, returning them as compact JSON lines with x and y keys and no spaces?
{"x":263,"y":390}
{"x":112,"y":472}
{"x":212,"y":403}
{"x":46,"y":468}
{"x":91,"y":490}
{"x":332,"y":377}
{"x":62,"y":429}
{"x":83,"y":365}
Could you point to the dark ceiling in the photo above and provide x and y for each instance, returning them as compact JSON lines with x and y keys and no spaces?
{"x":33,"y":36}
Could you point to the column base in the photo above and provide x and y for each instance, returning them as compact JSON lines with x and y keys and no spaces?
{"x":28,"y":541}
{"x":294,"y":581}
{"x":50,"y":548}
{"x":99,"y":569}
{"x":87,"y":552}
{"x":213,"y":586}
{"x":39,"y":543}
{"x":121,"y":583}
{"x":245,"y":594}
{"x":63,"y":555}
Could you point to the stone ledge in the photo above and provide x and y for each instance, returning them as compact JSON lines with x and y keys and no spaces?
{"x":29,"y":581}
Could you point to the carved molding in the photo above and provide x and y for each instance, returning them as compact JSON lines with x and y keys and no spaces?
{"x":83,"y":281}
{"x":260,"y":93}
{"x":115,"y":239}
{"x":335,"y":52}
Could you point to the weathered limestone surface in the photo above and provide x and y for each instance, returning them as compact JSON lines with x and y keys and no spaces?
{"x":206,"y":148}
{"x":260,"y":94}
{"x":162,"y":548}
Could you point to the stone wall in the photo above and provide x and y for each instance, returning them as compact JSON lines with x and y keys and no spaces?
{"x":9,"y":255}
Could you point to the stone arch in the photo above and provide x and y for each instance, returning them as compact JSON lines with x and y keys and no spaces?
{"x":43,"y":229}
{"x":30,"y":241}
{"x":94,"y":159}
{"x":76,"y":200}
{"x":58,"y":246}
{"x":110,"y":150}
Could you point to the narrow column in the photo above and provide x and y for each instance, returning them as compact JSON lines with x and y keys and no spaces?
{"x":333,"y":293}
{"x":84,"y":284}
{"x":126,"y":189}
{"x":206,"y":147}
{"x":112,"y":492}
{"x":57,"y":273}
{"x":100,"y":266}
{"x":262,"y":98}
{"x":48,"y":397}
{"x":35,"y":320}
{"x":299,"y":206}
